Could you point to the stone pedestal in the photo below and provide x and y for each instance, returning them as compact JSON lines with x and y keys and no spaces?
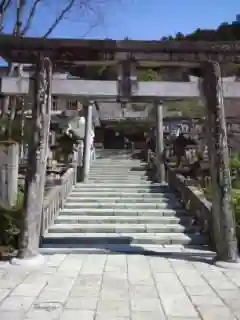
{"x":9,"y":162}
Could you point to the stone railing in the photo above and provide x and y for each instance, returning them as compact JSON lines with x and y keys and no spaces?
{"x":191,"y":197}
{"x":194,"y":201}
{"x":190,"y":150}
{"x":55,"y":197}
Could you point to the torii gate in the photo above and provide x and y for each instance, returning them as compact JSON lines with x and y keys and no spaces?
{"x":127,"y":56}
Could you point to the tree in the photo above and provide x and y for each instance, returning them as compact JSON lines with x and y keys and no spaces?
{"x":19,"y":16}
{"x":179,"y":36}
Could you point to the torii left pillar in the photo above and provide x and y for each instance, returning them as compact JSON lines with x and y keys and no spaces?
{"x":30,"y":228}
{"x":87,"y":141}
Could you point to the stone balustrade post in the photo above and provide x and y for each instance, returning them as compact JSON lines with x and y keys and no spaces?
{"x":87,"y":141}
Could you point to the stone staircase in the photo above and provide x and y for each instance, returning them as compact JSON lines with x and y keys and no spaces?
{"x":120,"y":209}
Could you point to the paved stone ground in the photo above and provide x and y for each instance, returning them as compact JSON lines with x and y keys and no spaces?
{"x":181,"y":285}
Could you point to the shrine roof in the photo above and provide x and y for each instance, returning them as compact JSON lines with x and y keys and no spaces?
{"x":63,"y":51}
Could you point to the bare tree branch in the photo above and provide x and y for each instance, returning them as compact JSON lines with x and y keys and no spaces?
{"x":59,"y":18}
{"x":83,"y":6}
{"x":100,"y":18}
{"x":21,"y":4}
{"x":30,"y":17}
{"x":4,"y":6}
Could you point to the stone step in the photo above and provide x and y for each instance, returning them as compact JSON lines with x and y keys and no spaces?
{"x":113,"y":153}
{"x":124,"y":179}
{"x":117,"y":205}
{"x":118,"y":162}
{"x":118,"y":170}
{"x":118,"y":159}
{"x":97,"y":239}
{"x":118,"y":154}
{"x":147,"y":187}
{"x":113,"y":194}
{"x":81,"y":198}
{"x":115,"y":167}
{"x":120,"y":228}
{"x":122,"y":212}
{"x":142,"y":249}
{"x":118,"y":176}
{"x":118,"y":173}
{"x":159,"y":186}
{"x":120,"y":191}
{"x":121,"y":179}
{"x":132,"y":168}
{"x":85,"y":219}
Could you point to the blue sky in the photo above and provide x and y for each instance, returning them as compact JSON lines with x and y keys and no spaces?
{"x":145,"y":19}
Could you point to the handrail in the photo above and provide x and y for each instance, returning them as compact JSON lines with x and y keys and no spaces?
{"x":190,"y":150}
{"x":56,"y":197}
{"x":194,"y":201}
{"x":191,"y":197}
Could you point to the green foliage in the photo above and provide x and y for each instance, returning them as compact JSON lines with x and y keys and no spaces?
{"x":10,"y":223}
{"x":148,"y":75}
{"x":235,"y":170}
{"x":16,"y":130}
{"x":235,"y":201}
{"x":236,"y":204}
{"x":235,"y":167}
{"x":190,"y":109}
{"x":225,"y":32}
{"x":235,"y":161}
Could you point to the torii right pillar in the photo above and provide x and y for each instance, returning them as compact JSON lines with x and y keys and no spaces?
{"x":223,"y":219}
{"x":158,"y":105}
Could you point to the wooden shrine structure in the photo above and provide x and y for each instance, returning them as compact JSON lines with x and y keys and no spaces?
{"x":206,"y":59}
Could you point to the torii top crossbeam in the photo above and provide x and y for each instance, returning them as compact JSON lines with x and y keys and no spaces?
{"x":90,"y":52}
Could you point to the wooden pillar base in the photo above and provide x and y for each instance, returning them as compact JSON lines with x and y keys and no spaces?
{"x":35,"y":261}
{"x":234,"y":265}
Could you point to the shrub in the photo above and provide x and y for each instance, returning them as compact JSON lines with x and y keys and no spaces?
{"x":235,"y":201}
{"x":236,"y":205}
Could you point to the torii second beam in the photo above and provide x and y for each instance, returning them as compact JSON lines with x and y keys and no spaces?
{"x":108,"y":90}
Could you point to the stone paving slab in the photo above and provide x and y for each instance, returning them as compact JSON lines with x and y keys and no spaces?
{"x":172,"y":284}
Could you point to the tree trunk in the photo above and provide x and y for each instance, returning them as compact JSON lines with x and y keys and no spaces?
{"x":222,"y":211}
{"x":37,"y":159}
{"x":11,"y":117}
